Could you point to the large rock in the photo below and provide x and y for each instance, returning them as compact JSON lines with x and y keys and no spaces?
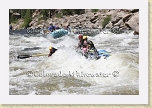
{"x":133,"y":10}
{"x":122,"y":18}
{"x":121,"y":14}
{"x":31,"y":23}
{"x":123,"y":28}
{"x":126,"y":17}
{"x":115,"y":20}
{"x":136,"y":32}
{"x":133,"y":23}
{"x":109,"y":25}
{"x":119,"y":23}
{"x":88,"y":10}
{"x":116,"y":16}
{"x":18,"y":25}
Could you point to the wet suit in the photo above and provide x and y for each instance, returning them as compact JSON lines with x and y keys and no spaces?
{"x":52,"y":51}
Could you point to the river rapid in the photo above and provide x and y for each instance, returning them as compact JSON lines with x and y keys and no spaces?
{"x":67,"y":72}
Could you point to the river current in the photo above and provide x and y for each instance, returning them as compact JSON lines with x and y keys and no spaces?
{"x":67,"y":72}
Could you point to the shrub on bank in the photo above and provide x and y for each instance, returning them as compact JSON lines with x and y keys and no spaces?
{"x":106,"y":20}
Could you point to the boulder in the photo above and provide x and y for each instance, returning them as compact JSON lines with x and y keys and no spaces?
{"x":123,"y":28}
{"x":93,"y":18}
{"x":88,"y":11}
{"x":98,"y":14}
{"x":120,"y":14}
{"x":119,"y":23}
{"x":73,"y":21}
{"x":109,"y":25}
{"x":115,"y":20}
{"x":121,"y":18}
{"x":134,"y":10}
{"x":133,"y":22}
{"x":126,"y":17}
{"x":31,"y":23}
{"x":136,"y":32}
{"x":112,"y":13}
{"x":116,"y":16}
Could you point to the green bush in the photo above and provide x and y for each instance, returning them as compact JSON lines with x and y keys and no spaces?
{"x":94,"y":10}
{"x":106,"y":20}
{"x":42,"y":18}
{"x":72,"y":11}
{"x":27,"y":18}
{"x":12,"y":19}
{"x":59,"y":15}
{"x":44,"y":12}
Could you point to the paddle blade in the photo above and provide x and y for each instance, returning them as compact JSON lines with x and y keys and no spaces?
{"x":23,"y":56}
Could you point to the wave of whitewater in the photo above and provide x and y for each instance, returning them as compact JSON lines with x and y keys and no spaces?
{"x":68,"y":72}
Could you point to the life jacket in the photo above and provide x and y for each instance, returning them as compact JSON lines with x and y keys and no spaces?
{"x":52,"y":28}
{"x":91,"y":46}
{"x":90,"y":43}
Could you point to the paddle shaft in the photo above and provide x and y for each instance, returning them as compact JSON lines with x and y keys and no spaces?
{"x":35,"y":55}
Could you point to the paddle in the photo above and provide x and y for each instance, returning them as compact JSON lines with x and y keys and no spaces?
{"x":28,"y":56}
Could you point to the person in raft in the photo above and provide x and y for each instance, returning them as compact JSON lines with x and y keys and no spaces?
{"x":89,"y":48}
{"x":81,"y":46}
{"x":52,"y":27}
{"x":52,"y":50}
{"x":80,"y":43}
{"x":88,"y":44}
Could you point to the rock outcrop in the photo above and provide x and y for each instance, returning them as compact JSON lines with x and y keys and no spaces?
{"x":123,"y":19}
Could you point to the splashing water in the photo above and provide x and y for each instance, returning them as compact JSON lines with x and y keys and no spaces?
{"x":68,"y":72}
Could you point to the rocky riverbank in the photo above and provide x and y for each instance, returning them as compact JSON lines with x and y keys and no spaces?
{"x":122,"y":19}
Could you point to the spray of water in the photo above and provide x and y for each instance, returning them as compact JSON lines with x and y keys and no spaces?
{"x":68,"y":72}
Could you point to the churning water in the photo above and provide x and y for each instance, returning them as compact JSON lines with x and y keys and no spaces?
{"x":68,"y":72}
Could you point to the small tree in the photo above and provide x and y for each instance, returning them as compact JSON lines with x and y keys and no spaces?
{"x":27,"y":18}
{"x":44,"y":12}
{"x":106,"y":21}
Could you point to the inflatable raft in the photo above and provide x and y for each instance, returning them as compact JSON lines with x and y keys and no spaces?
{"x":100,"y":53}
{"x":104,"y":53}
{"x":96,"y":55}
{"x":58,"y":33}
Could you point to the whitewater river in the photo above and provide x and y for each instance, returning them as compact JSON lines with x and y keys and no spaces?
{"x":67,"y":72}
